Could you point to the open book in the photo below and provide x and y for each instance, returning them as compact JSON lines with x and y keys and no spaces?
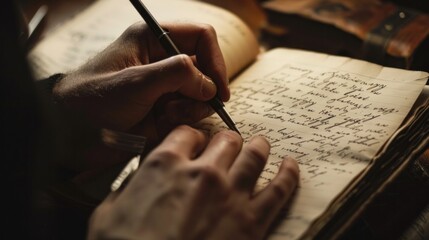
{"x":344,"y":120}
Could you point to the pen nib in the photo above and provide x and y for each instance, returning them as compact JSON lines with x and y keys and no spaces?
{"x":223,"y":114}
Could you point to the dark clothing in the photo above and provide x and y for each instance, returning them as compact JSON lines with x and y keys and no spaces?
{"x":34,"y":136}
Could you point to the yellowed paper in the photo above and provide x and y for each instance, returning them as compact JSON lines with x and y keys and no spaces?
{"x":332,"y":114}
{"x":75,"y":42}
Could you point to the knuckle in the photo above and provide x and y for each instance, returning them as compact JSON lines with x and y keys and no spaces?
{"x":206,"y":180}
{"x":208,"y":29}
{"x":188,"y":129}
{"x":231,"y":138}
{"x":209,"y":176}
{"x":279,"y":191}
{"x":208,"y":172}
{"x":162,"y":158}
{"x":192,"y":132}
{"x":134,"y":31}
{"x":185,"y":63}
{"x":256,"y":154}
{"x":183,"y":68}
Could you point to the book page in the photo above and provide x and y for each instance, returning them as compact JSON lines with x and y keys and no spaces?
{"x":332,"y":114}
{"x":91,"y":31}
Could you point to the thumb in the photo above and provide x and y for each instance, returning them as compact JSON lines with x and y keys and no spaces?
{"x":174,"y":74}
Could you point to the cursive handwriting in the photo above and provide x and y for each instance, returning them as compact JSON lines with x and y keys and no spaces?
{"x":331,"y":122}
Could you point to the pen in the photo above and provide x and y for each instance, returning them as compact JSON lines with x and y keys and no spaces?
{"x":172,"y":50}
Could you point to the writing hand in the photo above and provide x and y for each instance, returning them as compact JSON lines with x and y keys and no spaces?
{"x":130,"y":86}
{"x":189,"y":188}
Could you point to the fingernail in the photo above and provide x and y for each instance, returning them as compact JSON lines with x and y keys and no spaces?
{"x":208,"y":88}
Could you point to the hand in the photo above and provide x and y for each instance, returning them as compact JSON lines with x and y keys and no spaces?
{"x":190,"y":189}
{"x":130,"y":86}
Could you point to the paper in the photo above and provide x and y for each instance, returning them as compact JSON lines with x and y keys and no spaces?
{"x":75,"y":42}
{"x":331,"y":114}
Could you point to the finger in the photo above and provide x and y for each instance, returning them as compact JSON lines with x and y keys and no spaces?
{"x":183,"y":142}
{"x":175,"y":74}
{"x":272,"y":198}
{"x":208,"y":193}
{"x":197,"y":40}
{"x":249,"y":165}
{"x":222,"y":149}
{"x":186,"y":111}
{"x":209,"y":183}
{"x":201,"y":40}
{"x":169,"y":115}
